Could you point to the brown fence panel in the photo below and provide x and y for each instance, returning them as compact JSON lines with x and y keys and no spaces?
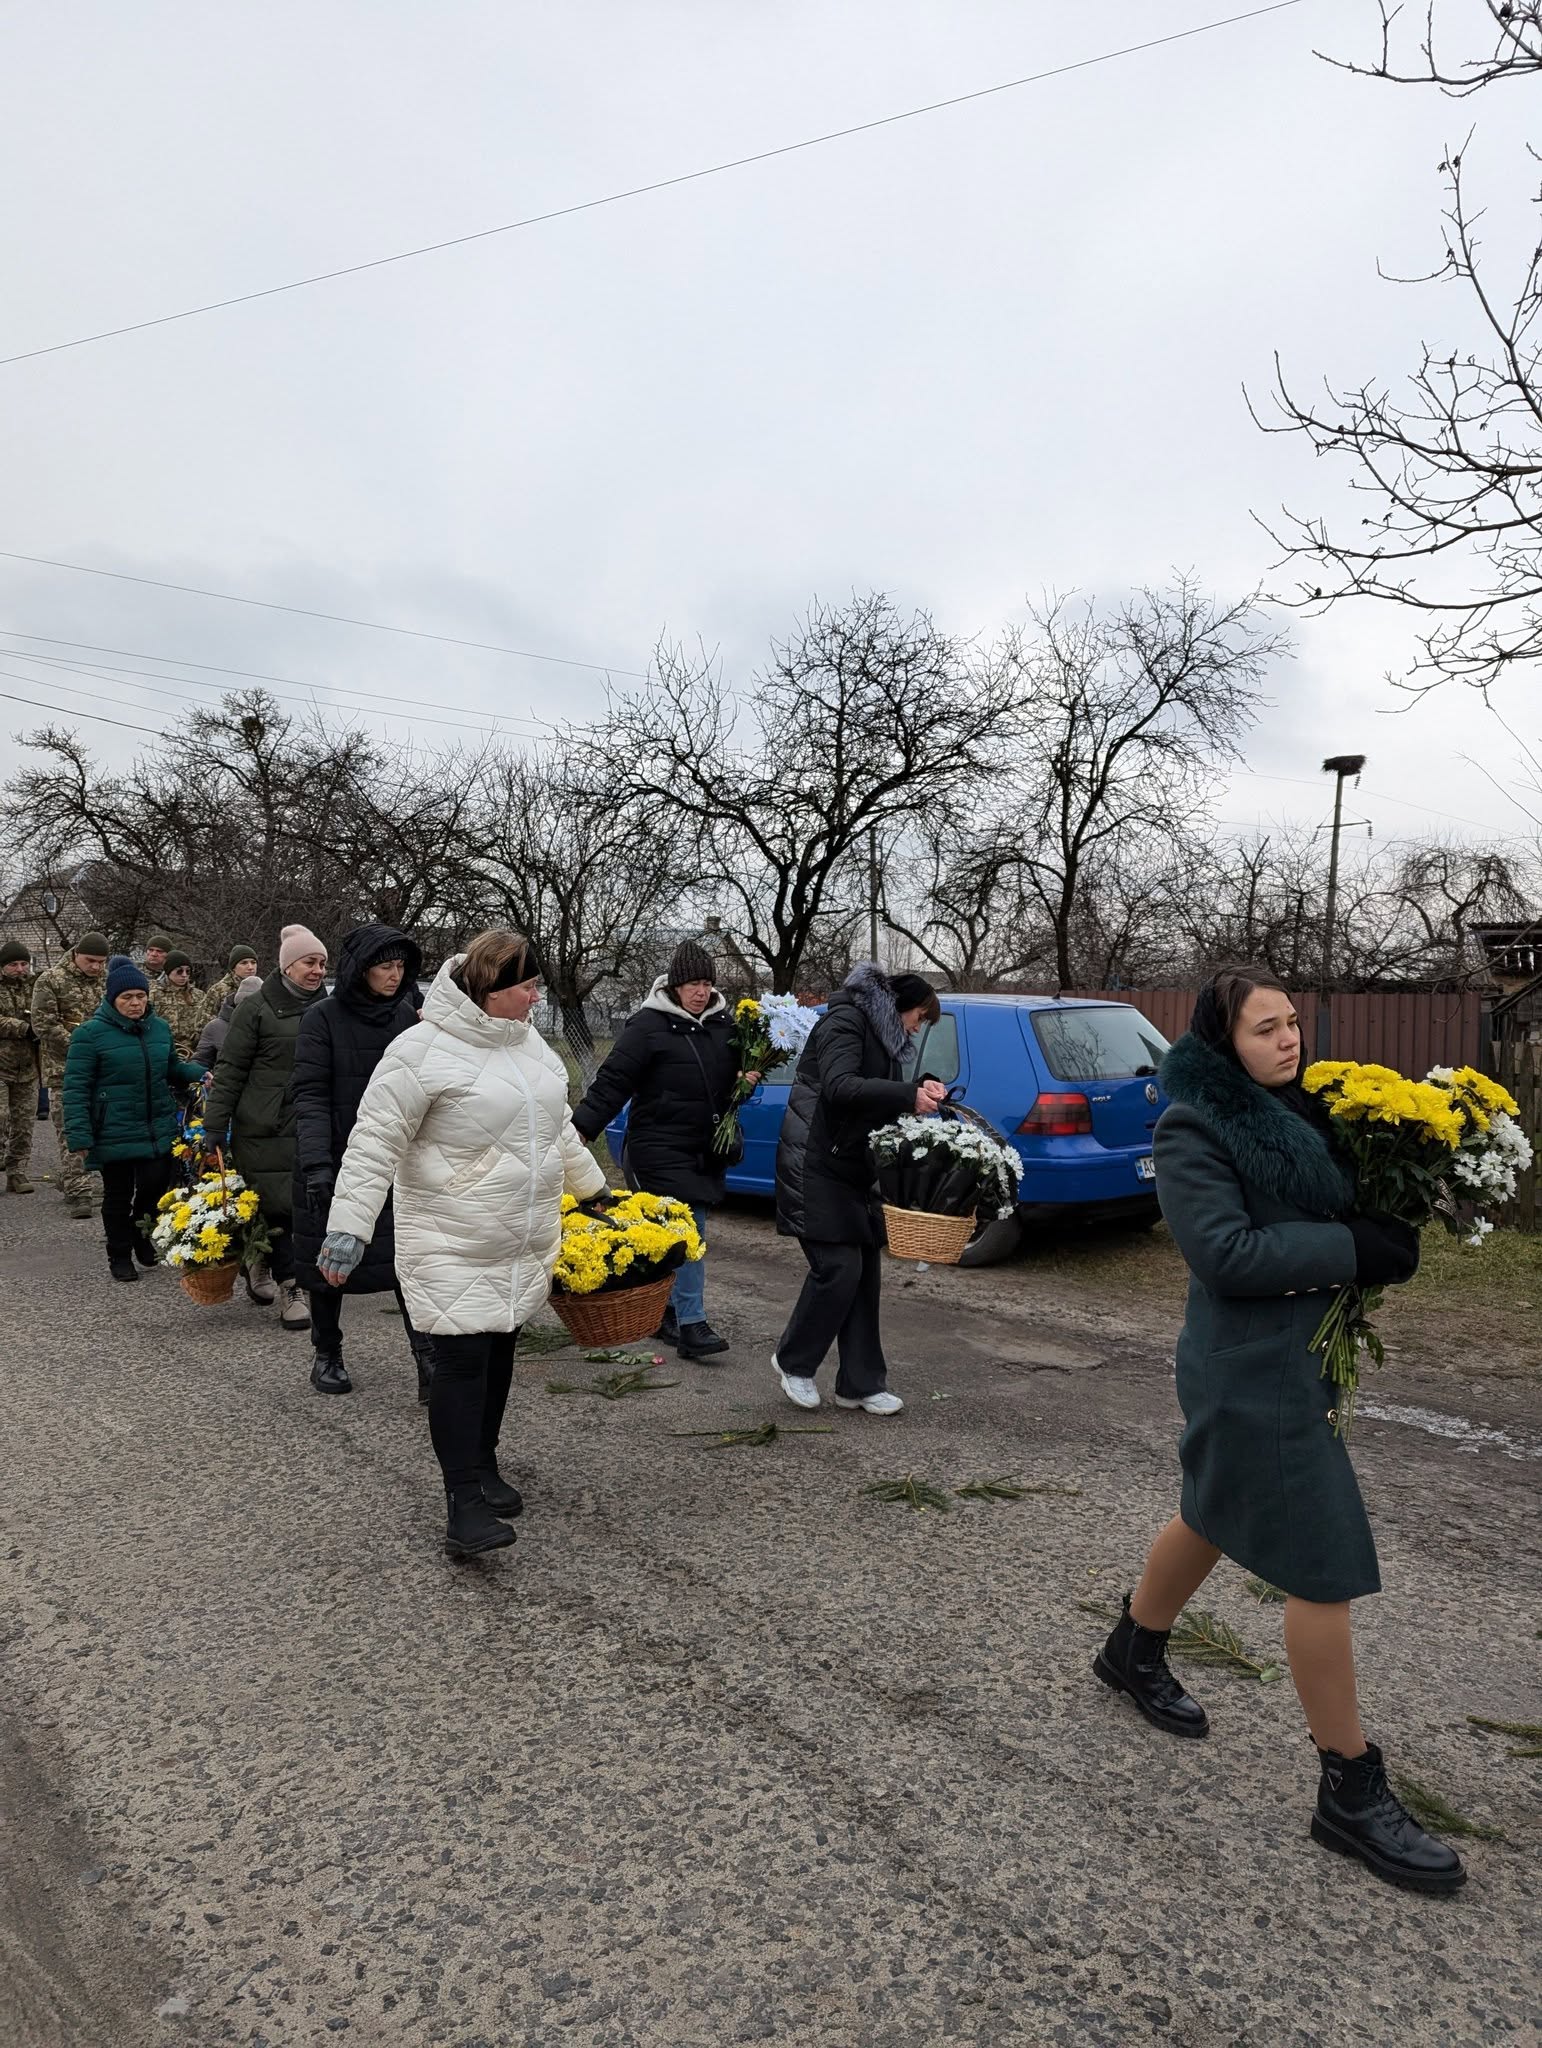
{"x":1518,"y":1067}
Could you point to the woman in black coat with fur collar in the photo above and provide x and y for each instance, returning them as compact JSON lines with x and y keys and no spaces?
{"x":339,"y":1047}
{"x":675,"y":1062}
{"x":847,"y":1085}
{"x":1263,"y":1212}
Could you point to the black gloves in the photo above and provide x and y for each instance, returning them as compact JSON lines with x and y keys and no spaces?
{"x":1386,"y":1250}
{"x":319,"y":1183}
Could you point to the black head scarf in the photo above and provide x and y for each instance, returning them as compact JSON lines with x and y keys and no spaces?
{"x":1208,"y":1024}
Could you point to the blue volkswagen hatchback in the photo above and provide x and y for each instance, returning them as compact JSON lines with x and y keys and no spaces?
{"x":1070,"y":1083}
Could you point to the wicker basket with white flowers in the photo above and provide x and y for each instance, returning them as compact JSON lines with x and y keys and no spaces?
{"x":937,"y":1176}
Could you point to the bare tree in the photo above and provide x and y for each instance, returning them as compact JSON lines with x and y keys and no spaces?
{"x":1512,"y":48}
{"x":1447,"y":464}
{"x":858,"y":721}
{"x":1128,"y":715}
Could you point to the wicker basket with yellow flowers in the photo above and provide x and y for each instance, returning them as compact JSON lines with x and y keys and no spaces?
{"x":617,"y":1262}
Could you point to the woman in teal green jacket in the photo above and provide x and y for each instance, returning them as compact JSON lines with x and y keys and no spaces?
{"x":120,"y":1081}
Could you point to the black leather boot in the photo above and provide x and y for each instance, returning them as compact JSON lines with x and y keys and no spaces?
{"x":473,"y":1527}
{"x":668,"y":1331}
{"x":1134,"y":1661}
{"x":1359,"y":1814}
{"x":329,"y":1375}
{"x":145,"y":1252}
{"x":503,"y":1499}
{"x":121,"y":1266}
{"x":699,"y":1340}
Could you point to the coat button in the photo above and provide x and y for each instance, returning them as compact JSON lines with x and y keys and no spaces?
{"x":1333,"y":1417}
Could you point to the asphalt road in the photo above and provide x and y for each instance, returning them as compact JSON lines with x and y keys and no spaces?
{"x":723,"y":1750}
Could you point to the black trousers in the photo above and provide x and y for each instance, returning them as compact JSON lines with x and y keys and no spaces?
{"x":281,"y":1255}
{"x":130,"y":1189}
{"x":838,"y":1305}
{"x":327,"y":1318}
{"x":466,"y":1403}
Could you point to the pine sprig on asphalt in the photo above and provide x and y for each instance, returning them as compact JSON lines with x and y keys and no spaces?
{"x":1436,"y":1814}
{"x":910,"y":1492}
{"x":1009,"y":1488}
{"x":615,"y":1386}
{"x":1265,"y":1594}
{"x":1202,"y":1638}
{"x":763,"y":1433}
{"x":1529,"y":1732}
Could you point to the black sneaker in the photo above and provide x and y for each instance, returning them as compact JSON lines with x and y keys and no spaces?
{"x":123,"y":1268}
{"x":1358,"y":1814}
{"x":699,"y":1340}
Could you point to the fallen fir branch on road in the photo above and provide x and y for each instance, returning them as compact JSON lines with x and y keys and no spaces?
{"x":1200,"y":1637}
{"x":1436,"y":1814}
{"x":1526,"y":1731}
{"x":1009,"y":1488}
{"x":763,"y":1433}
{"x":1265,"y":1594}
{"x":615,"y":1386}
{"x":910,"y":1492}
{"x":537,"y":1338}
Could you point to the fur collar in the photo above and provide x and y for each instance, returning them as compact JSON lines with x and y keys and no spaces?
{"x":659,"y":998}
{"x":1270,"y":1145}
{"x":870,"y":989}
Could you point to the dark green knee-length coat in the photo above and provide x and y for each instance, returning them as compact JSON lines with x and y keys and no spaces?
{"x":250,"y":1092}
{"x":1255,"y":1200}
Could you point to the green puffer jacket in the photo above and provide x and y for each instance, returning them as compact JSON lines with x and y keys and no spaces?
{"x":119,"y":1077}
{"x":250,"y":1092}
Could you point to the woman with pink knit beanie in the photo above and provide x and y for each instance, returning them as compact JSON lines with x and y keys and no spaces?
{"x":250,"y":1095}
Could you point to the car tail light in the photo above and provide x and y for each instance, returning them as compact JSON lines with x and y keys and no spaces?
{"x":1057,"y":1116}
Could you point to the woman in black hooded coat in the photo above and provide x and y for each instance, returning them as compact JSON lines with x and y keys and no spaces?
{"x":847,"y":1086}
{"x":340,"y":1044}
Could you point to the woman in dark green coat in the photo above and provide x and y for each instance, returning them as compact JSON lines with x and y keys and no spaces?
{"x":121,"y":1079}
{"x":250,"y":1094}
{"x":1264,"y":1214}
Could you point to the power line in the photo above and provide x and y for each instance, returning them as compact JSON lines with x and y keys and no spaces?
{"x":149,"y":681}
{"x":300,"y":612}
{"x":737,"y":163}
{"x":38,"y":704}
{"x":1372,"y":796}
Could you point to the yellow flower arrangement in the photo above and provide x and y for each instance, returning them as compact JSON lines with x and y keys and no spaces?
{"x":217,"y":1220}
{"x":640,"y":1237}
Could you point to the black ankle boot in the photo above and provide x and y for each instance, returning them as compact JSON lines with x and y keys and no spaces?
{"x":329,"y":1375}
{"x":145,"y":1252}
{"x":699,"y":1340}
{"x":502,"y":1498}
{"x":121,"y":1266}
{"x":1134,"y":1661}
{"x":1359,"y":1814}
{"x":473,"y":1527}
{"x":668,"y":1331}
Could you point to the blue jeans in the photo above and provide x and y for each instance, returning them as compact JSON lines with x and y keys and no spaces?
{"x":689,"y":1296}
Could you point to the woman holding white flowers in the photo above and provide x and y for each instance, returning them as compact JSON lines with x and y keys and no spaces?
{"x":466,"y":1117}
{"x":676,"y":1063}
{"x":848,"y":1084}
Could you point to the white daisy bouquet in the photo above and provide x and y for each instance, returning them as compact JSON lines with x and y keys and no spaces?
{"x":217,"y":1221}
{"x":943,"y":1166}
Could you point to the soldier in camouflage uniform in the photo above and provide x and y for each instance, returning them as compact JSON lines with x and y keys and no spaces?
{"x":185,"y":1008}
{"x":18,"y":1065}
{"x":242,"y":963}
{"x":63,"y":997}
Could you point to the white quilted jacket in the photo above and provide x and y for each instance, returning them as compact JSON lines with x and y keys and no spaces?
{"x":467,"y":1116}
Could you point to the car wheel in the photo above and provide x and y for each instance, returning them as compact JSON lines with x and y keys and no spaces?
{"x":995,"y":1240}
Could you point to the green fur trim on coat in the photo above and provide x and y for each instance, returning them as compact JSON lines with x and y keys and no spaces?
{"x":1268,"y":1143}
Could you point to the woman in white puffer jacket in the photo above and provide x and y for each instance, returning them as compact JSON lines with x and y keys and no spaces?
{"x":467,"y":1118}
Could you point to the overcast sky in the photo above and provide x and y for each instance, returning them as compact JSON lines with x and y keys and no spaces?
{"x":964,"y":359}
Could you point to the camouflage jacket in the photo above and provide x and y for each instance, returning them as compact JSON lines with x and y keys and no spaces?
{"x":218,"y":994}
{"x":62,"y":999}
{"x":185,"y":1009}
{"x":18,"y":1047}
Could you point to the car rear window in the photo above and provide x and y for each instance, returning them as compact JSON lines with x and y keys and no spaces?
{"x":1098,"y":1044}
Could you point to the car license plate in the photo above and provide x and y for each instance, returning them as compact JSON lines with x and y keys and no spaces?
{"x":1145,"y":1168}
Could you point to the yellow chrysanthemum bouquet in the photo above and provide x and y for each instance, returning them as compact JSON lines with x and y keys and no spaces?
{"x":1422,"y":1151}
{"x":616,"y":1261}
{"x":208,"y":1231}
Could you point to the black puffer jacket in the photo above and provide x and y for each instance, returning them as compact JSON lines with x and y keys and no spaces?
{"x":847,"y":1085}
{"x":678,"y":1073}
{"x":339,"y":1047}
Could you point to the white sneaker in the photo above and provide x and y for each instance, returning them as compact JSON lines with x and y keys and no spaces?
{"x":874,"y":1404}
{"x":801,"y":1393}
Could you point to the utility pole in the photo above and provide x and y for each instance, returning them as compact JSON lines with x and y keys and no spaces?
{"x":872,"y":892}
{"x":1343,"y":766}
